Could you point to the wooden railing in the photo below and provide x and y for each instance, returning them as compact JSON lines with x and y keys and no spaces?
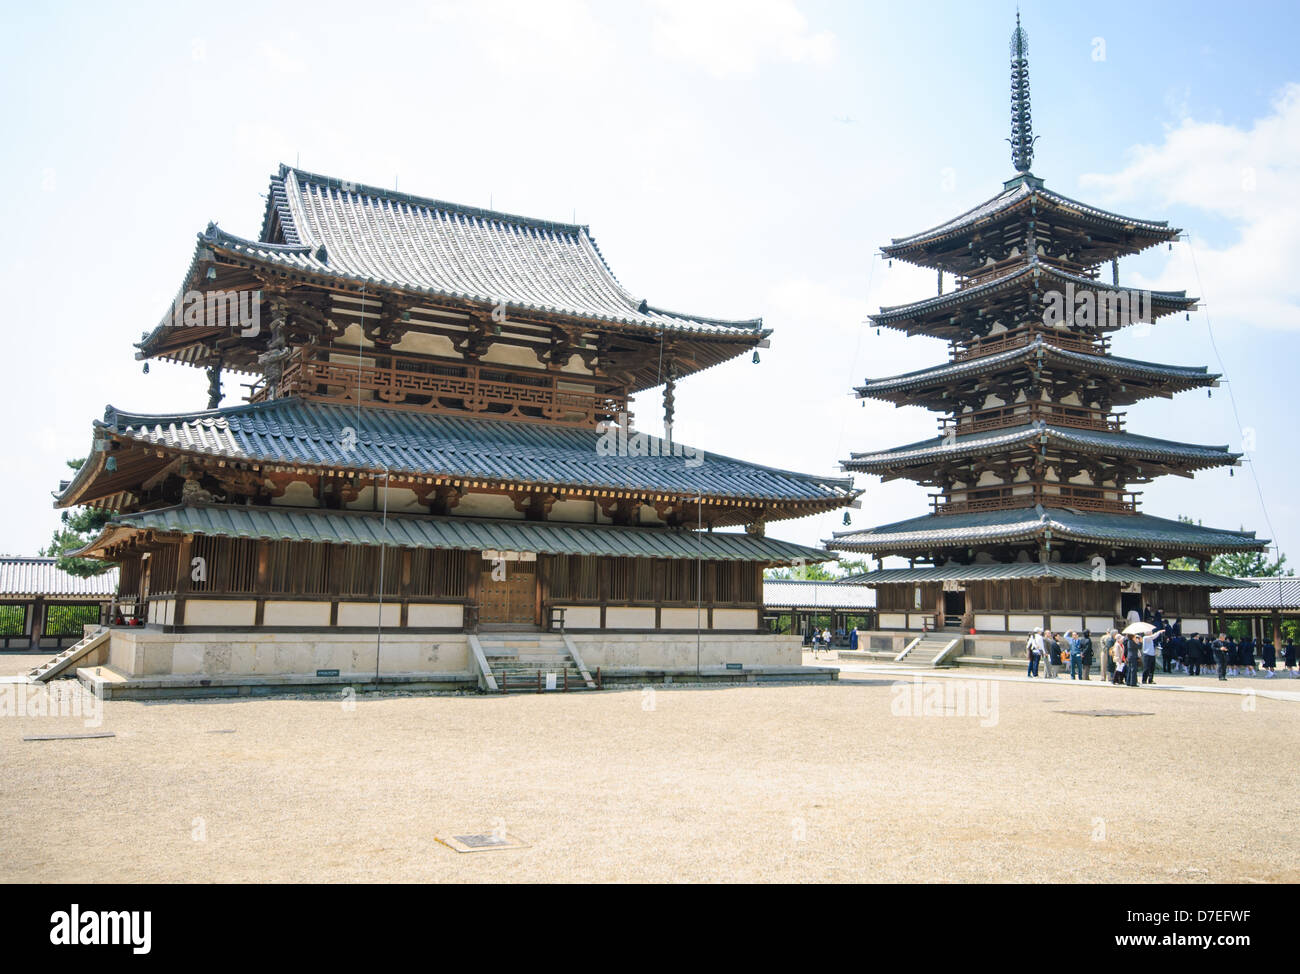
{"x":1049,"y":495}
{"x":1019,"y":414}
{"x":333,"y":375}
{"x":1020,"y":337}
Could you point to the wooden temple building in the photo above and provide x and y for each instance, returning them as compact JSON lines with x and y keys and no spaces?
{"x":1035,"y":517}
{"x":435,"y":457}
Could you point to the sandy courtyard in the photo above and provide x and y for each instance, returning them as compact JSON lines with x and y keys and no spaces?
{"x":766,"y":783}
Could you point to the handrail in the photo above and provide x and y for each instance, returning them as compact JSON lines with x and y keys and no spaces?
{"x":334,"y":375}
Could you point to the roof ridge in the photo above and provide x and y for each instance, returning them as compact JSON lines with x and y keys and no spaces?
{"x":433,"y":203}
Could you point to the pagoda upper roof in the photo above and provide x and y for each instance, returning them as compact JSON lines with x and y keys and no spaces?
{"x":307,"y":436}
{"x":1094,"y":442}
{"x":1021,"y":195}
{"x":934,"y":315}
{"x":1145,"y":379}
{"x":1032,"y":523}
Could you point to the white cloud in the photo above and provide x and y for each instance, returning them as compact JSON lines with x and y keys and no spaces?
{"x":732,"y":37}
{"x":1246,"y":177}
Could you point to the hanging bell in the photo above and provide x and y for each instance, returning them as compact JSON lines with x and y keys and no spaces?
{"x":756,"y":358}
{"x":212,"y":274}
{"x":110,"y":464}
{"x":1229,"y":471}
{"x":847,"y":519}
{"x":146,"y":368}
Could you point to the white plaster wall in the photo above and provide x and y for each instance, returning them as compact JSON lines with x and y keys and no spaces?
{"x":573,"y":512}
{"x":220,"y":612}
{"x":581,"y":617}
{"x":628,"y":617}
{"x":989,"y":622}
{"x":735,"y":618}
{"x":285,"y":613}
{"x":297,"y":494}
{"x":1062,"y":623}
{"x":367,"y":614}
{"x":1023,"y":623}
{"x":683,"y":619}
{"x":435,"y":616}
{"x":487,"y":505}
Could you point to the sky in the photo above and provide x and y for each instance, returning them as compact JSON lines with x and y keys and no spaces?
{"x":733,"y":158}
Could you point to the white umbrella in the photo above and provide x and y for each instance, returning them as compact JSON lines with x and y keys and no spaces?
{"x":1139,"y":629}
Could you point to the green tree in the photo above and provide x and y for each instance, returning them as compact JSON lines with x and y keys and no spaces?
{"x":819,"y":571}
{"x":1242,"y":565}
{"x":810,"y":572}
{"x":80,"y":527}
{"x":1250,"y":564}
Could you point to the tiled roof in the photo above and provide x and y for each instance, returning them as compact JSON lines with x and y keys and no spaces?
{"x":781,"y":593}
{"x":1076,"y":572}
{"x":1273,"y":592}
{"x":1020,"y":194}
{"x":416,"y":244}
{"x":1185,"y":375}
{"x":307,"y":433}
{"x":26,"y":577}
{"x":1088,"y":441}
{"x":1023,"y":524}
{"x":1162,"y":302}
{"x":463,"y":533}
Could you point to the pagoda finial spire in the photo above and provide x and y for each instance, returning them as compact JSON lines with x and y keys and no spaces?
{"x":1022,"y":131}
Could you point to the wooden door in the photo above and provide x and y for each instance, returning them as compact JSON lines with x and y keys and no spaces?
{"x":508,"y":595}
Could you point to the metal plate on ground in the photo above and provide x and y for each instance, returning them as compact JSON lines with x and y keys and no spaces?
{"x":70,"y":737}
{"x":1108,"y":713}
{"x":482,"y":841}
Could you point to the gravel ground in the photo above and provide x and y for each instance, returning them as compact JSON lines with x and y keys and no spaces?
{"x":763,"y":783}
{"x":16,"y":664}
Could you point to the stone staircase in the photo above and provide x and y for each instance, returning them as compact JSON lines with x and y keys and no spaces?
{"x":921,"y":652}
{"x":73,"y":654}
{"x":515,"y":660}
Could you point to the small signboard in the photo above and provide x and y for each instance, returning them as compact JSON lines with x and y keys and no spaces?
{"x":735,"y":666}
{"x":550,"y":681}
{"x":327,"y":672}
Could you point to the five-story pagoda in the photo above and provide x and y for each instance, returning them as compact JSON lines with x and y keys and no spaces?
{"x":1035,"y":520}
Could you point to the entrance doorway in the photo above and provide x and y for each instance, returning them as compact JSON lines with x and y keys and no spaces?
{"x":954,"y":607}
{"x":1129,"y":601}
{"x":508,"y":593}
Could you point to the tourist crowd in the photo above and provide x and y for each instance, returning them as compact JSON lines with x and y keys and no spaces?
{"x":1130,"y":657}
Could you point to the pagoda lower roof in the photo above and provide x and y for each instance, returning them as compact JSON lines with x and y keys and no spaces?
{"x":1031,"y":523}
{"x":1092,"y":442}
{"x":1020,"y":194}
{"x":1154,"y":378}
{"x":1080,"y":572}
{"x":301,"y":434}
{"x":932,"y":316}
